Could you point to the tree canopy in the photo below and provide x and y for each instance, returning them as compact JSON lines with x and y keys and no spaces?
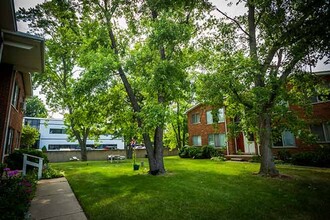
{"x":35,"y":108}
{"x":252,"y":60}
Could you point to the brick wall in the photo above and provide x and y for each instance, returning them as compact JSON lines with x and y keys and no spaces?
{"x":6,"y":79}
{"x":16,"y":115}
{"x":203,"y":129}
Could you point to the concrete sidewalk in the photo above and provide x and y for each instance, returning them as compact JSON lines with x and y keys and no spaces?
{"x":55,"y":200}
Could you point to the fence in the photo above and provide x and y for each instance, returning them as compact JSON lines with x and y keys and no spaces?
{"x":38,"y":165}
{"x":63,"y":156}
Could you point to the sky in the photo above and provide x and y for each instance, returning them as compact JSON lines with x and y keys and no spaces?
{"x":221,"y":4}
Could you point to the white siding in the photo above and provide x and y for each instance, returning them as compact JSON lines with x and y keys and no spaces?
{"x":47,"y":139}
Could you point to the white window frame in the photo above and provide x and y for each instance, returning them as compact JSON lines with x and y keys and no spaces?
{"x":221,"y":112}
{"x":15,"y":96}
{"x":209,"y":117}
{"x":199,"y":140}
{"x":221,"y":116}
{"x":195,"y":116}
{"x":214,"y":138}
{"x":282,"y":139}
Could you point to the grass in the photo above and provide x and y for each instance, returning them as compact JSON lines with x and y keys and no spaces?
{"x":198,"y":189}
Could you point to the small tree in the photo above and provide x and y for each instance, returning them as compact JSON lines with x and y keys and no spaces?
{"x":29,"y":136}
{"x":35,"y":108}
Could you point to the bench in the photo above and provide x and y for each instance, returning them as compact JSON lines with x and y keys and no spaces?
{"x":116,"y":158}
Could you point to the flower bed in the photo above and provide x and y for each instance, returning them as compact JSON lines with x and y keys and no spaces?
{"x":16,"y":193}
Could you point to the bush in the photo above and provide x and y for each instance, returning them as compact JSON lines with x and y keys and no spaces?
{"x":205,"y":152}
{"x":49,"y":173}
{"x":16,"y":192}
{"x":209,"y":152}
{"x":15,"y":159}
{"x":284,"y":155}
{"x":256,"y":159}
{"x":318,"y":158}
{"x":184,"y":152}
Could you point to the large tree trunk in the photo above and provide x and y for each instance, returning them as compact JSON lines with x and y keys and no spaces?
{"x":267,"y":167}
{"x":155,"y":153}
{"x":83,"y":151}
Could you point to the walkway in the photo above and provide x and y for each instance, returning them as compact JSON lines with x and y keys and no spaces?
{"x":55,"y":200}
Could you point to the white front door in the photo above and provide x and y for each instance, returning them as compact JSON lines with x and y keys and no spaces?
{"x":249,"y":145}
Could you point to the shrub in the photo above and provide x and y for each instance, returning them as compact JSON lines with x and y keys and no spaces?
{"x":195,"y":152}
{"x":205,"y":152}
{"x":318,"y":158}
{"x":209,"y":152}
{"x":16,"y":192}
{"x":15,"y":159}
{"x":256,"y":159}
{"x":184,"y":152}
{"x":49,"y":173}
{"x":284,"y":155}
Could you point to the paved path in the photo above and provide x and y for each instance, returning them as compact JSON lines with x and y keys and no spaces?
{"x":55,"y":200}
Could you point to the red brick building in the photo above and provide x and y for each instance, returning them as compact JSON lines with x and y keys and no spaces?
{"x":202,"y":131}
{"x":20,"y":55}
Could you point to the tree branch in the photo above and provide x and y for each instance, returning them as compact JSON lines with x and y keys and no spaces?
{"x":233,"y":20}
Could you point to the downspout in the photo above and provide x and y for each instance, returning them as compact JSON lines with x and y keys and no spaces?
{"x":226,"y":130}
{"x":8,"y":117}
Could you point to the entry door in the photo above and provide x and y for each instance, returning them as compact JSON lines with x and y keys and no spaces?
{"x":240,"y":142}
{"x":249,"y":145}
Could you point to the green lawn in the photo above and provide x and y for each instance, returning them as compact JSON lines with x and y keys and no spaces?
{"x":198,"y":189}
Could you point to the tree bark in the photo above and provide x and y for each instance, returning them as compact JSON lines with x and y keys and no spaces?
{"x":267,"y":167}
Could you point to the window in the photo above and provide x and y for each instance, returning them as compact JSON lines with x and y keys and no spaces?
{"x":9,"y":144}
{"x":209,"y":118}
{"x":195,"y":118}
{"x":197,"y":140}
{"x":32,"y":122}
{"x":64,"y":146}
{"x":15,"y":97}
{"x":322,"y":131}
{"x":56,"y":131}
{"x":221,"y":116}
{"x":287,"y":139}
{"x":322,"y":97}
{"x":217,"y":140}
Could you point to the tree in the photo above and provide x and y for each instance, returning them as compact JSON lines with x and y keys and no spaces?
{"x":67,"y":88}
{"x":256,"y":56}
{"x":151,"y":56}
{"x":29,"y":136}
{"x":35,"y":108}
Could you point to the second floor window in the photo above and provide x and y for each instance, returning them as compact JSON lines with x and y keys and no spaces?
{"x":57,"y":131}
{"x":15,"y":97}
{"x":195,"y":118}
{"x":220,"y":114}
